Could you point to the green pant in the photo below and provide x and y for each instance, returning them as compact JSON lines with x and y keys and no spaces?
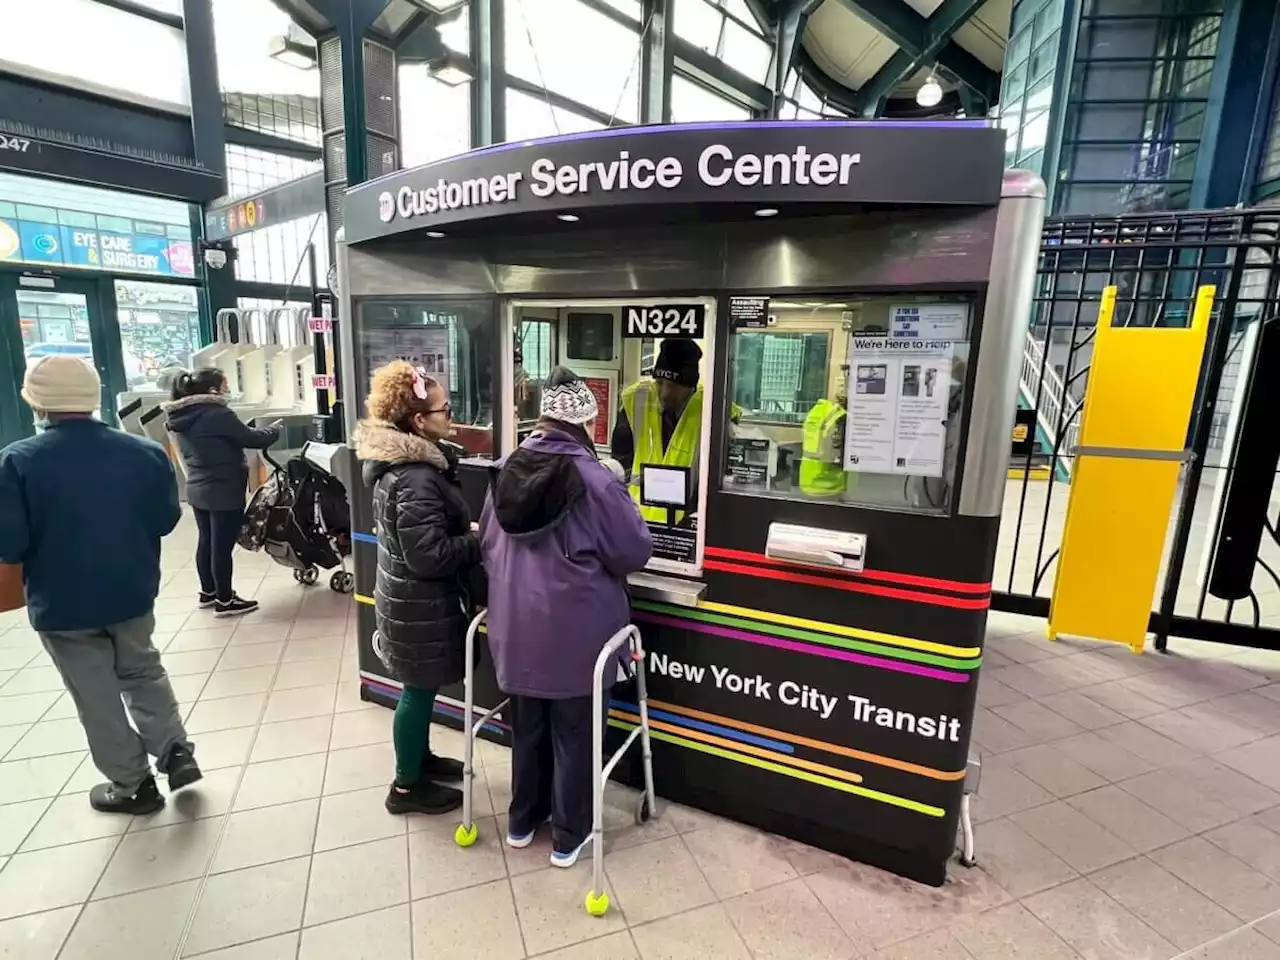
{"x":411,"y":733}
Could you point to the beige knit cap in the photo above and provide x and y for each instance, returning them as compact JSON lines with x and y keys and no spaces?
{"x":62,"y":384}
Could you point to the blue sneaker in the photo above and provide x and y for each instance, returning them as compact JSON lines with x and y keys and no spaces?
{"x":566,"y":860}
{"x":519,"y":842}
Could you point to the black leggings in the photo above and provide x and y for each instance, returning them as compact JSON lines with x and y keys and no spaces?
{"x":218,"y":531}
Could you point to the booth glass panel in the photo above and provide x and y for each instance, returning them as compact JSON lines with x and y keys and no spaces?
{"x":159,"y":329}
{"x":852,"y":402}
{"x":452,"y":340}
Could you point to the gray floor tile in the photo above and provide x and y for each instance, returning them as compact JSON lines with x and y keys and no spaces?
{"x":657,"y":879}
{"x":1108,"y":760}
{"x":225,"y":748}
{"x":1010,"y":932}
{"x":1004,"y":790}
{"x":307,"y":673}
{"x":360,"y":729}
{"x":360,"y":767}
{"x":354,"y":880}
{"x":382,"y":935}
{"x":57,"y":877}
{"x":551,"y":906}
{"x":211,"y":797}
{"x":614,"y":946}
{"x":299,"y":702}
{"x":70,"y":819}
{"x":283,"y":947}
{"x":438,"y":865}
{"x":1096,"y":926}
{"x":445,"y":926}
{"x":1137,"y":824}
{"x":248,"y":905}
{"x":1244,"y":944}
{"x":237,"y":657}
{"x":292,"y":738}
{"x":16,"y":821}
{"x":155,"y":858}
{"x":28,"y":708}
{"x":265,"y":835}
{"x":146,"y":924}
{"x":1260,"y":760}
{"x":1229,"y":882}
{"x":1071,"y":835}
{"x":356,"y":817}
{"x":230,"y":682}
{"x":1038,"y":722}
{"x":696,"y":935}
{"x":736,"y":860}
{"x":224,"y":713}
{"x":38,"y":936}
{"x":1077,"y":707}
{"x":32,"y":779}
{"x":1252,"y":841}
{"x":1181,"y":914}
{"x":12,"y":736}
{"x":1018,"y":862}
{"x":788,"y":921}
{"x":280,"y":781}
{"x":1060,"y":775}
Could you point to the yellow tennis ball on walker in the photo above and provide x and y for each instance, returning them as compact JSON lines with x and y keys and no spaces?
{"x":597,"y":906}
{"x":464,"y":836}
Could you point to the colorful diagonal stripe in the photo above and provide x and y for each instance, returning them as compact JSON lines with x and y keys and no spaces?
{"x":775,"y":745}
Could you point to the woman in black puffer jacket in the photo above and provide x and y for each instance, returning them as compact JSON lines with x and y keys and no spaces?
{"x":426,"y":553}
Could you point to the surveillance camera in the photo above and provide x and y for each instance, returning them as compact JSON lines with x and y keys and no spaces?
{"x":215,"y":259}
{"x":773,"y":321}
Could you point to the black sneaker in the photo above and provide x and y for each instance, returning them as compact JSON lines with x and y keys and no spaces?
{"x":109,"y":798}
{"x":441,"y":769}
{"x":423,"y":797}
{"x":182,"y":769}
{"x":207,"y":600}
{"x":235,"y":607}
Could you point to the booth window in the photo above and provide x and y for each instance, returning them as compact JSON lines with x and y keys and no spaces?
{"x":854,"y":402}
{"x":452,"y":340}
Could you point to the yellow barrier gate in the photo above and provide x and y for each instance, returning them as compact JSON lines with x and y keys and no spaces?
{"x":1133,"y":432}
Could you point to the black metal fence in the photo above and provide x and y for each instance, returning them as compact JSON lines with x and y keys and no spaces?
{"x":1157,"y":263}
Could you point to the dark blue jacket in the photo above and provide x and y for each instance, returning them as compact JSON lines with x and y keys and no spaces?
{"x":83,"y":507}
{"x":212,"y":441}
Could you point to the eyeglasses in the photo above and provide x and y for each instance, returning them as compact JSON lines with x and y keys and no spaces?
{"x":447,"y":410}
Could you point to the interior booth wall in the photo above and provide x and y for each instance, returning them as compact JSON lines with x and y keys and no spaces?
{"x":853,"y":733}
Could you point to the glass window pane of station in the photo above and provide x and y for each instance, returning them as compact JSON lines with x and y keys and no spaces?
{"x":435,"y":117}
{"x":530,"y":117}
{"x":745,"y":51}
{"x":693,"y":103}
{"x":855,"y":401}
{"x":577,"y":52}
{"x":452,"y":340}
{"x":159,"y":329}
{"x":699,"y":23}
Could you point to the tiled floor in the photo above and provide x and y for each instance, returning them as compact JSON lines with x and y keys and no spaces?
{"x":1130,"y":810}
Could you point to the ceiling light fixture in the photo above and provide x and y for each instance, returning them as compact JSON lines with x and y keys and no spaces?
{"x":289,"y":51}
{"x":767,"y":212}
{"x":568,"y":217}
{"x":930,"y":92}
{"x":452,"y":68}
{"x":435,"y":234}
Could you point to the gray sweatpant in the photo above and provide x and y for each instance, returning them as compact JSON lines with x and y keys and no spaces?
{"x":99,"y":667}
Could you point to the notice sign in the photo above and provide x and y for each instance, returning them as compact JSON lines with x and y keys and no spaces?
{"x":748,"y":313}
{"x":426,"y":347}
{"x":899,"y":391}
{"x":601,"y":390}
{"x":748,"y":462}
{"x":930,"y":321}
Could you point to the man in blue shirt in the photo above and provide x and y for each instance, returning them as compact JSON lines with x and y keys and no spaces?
{"x":83,"y":508}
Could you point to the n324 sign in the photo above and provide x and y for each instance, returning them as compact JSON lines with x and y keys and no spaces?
{"x":666,"y":320}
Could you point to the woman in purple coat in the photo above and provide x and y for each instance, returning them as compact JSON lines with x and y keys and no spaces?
{"x":559,"y":534}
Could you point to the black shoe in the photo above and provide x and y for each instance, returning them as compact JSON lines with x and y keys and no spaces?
{"x":423,"y":797}
{"x":441,"y":769}
{"x":182,"y":769}
{"x":207,"y":600}
{"x":235,"y":607}
{"x":108,"y":798}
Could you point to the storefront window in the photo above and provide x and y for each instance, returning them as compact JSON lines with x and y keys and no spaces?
{"x":159,"y":329}
{"x":452,"y":340}
{"x":855,"y":401}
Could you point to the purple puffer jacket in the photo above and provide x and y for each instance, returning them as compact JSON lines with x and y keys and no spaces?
{"x":559,"y":534}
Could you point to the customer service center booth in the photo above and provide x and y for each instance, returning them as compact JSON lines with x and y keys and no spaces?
{"x":858,"y":292}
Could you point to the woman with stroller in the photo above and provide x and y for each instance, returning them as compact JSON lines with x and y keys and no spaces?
{"x":426,"y":555}
{"x":212,"y":440}
{"x":559,"y":535}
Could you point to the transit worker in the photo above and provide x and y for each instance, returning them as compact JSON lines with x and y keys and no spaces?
{"x":83,"y":507}
{"x":660,"y":421}
{"x":427,"y":554}
{"x":822,"y":471}
{"x":559,"y":535}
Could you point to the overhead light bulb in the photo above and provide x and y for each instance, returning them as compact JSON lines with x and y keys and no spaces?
{"x":930,"y":93}
{"x":568,"y":217}
{"x":767,"y":212}
{"x":435,"y":234}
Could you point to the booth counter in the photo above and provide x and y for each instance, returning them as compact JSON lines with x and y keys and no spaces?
{"x":857,"y":292}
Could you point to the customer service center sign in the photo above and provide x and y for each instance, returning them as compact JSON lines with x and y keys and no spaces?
{"x":766,"y":163}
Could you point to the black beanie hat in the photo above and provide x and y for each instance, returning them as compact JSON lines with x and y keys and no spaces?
{"x":678,"y":362}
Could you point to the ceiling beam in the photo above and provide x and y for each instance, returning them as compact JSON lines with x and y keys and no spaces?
{"x":922,"y":42}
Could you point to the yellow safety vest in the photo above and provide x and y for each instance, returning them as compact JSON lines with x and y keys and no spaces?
{"x":819,"y":477}
{"x":640,"y":401}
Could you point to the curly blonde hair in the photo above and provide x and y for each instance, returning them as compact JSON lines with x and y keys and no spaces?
{"x":391,"y":396}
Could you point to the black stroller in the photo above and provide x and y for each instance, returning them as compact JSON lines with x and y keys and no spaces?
{"x":301,"y":519}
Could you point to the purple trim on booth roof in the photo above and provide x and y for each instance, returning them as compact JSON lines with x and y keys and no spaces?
{"x":637,"y":129}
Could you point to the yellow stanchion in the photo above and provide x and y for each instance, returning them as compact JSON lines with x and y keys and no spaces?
{"x":1133,"y":433}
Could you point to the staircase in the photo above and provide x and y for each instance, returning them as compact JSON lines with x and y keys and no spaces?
{"x":1053,"y":396}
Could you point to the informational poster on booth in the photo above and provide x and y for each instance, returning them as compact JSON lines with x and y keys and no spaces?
{"x":929,"y":321}
{"x":426,"y":347}
{"x":602,"y":389}
{"x":899,"y":390}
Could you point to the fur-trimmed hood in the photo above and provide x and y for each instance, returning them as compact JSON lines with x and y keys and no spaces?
{"x":183,"y":414}
{"x":381,"y":446}
{"x":191,"y":401}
